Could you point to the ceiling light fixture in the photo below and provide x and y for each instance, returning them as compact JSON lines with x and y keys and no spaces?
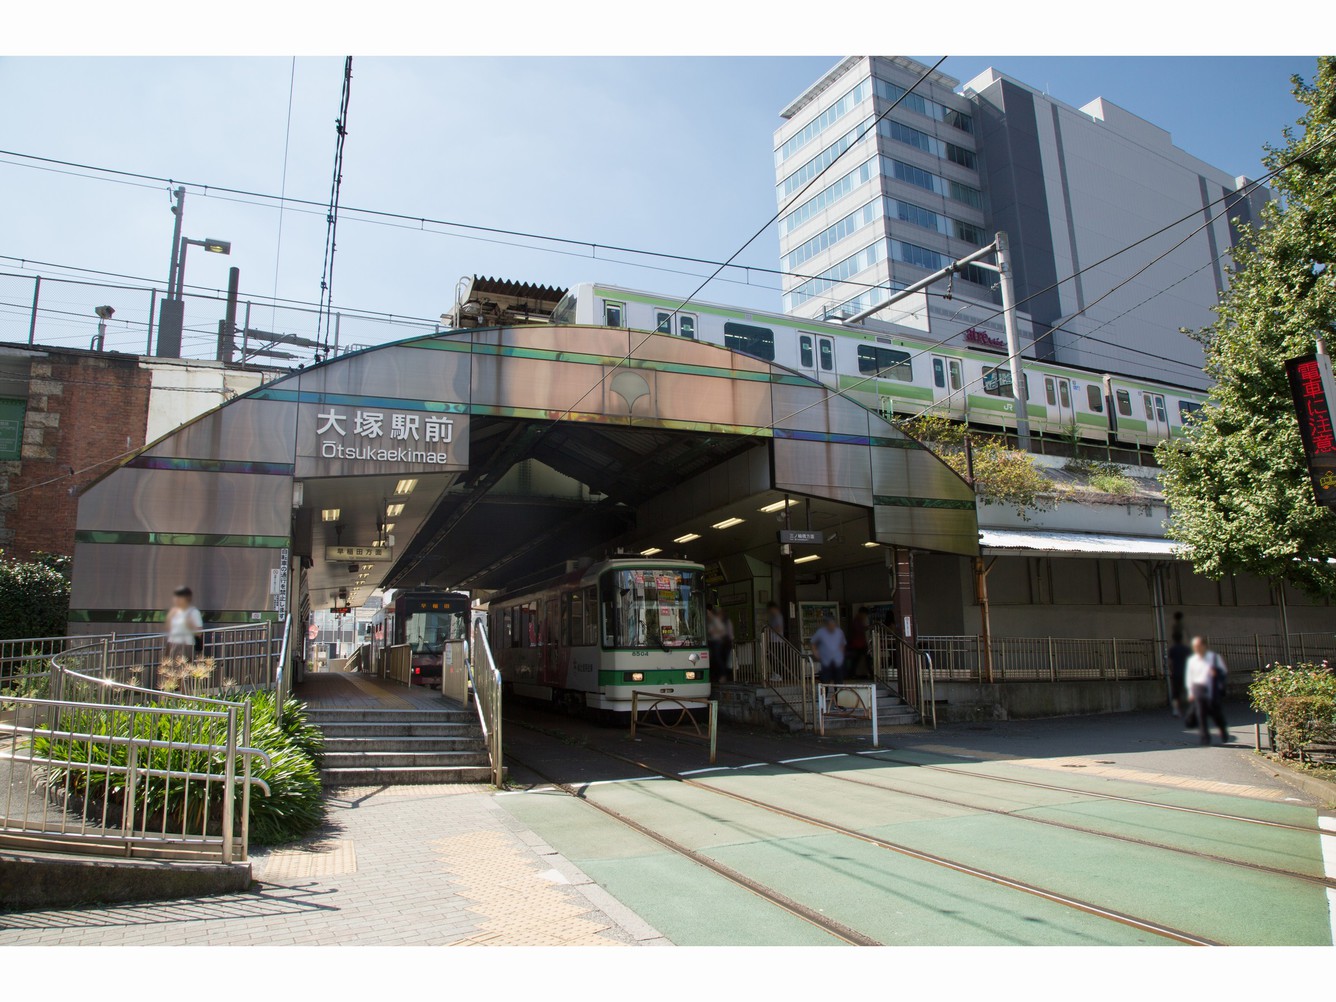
{"x":807,"y":559}
{"x":778,"y":505}
{"x":405,"y":486}
{"x":871,"y":544}
{"x":650,"y":552}
{"x":687,"y":538}
{"x":727,"y":523}
{"x":331,"y":514}
{"x":394,"y":510}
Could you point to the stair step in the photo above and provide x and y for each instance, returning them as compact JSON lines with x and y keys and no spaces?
{"x":360,"y":743}
{"x":363,"y":715}
{"x":409,"y":730}
{"x":377,"y":759}
{"x":400,"y":775}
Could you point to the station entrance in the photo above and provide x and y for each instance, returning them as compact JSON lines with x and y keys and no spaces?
{"x":486,"y":459}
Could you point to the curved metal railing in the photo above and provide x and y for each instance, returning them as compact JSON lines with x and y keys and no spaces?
{"x":93,"y":761}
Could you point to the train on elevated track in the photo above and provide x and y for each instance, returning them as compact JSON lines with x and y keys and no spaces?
{"x":901,"y":373}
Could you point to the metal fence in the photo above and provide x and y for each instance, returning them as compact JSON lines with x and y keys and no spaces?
{"x":485,"y":681}
{"x":771,"y":660}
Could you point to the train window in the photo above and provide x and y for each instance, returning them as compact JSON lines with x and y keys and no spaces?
{"x":885,"y":362}
{"x":612,"y":314}
{"x":805,"y":356}
{"x":570,"y":609}
{"x":591,"y":616}
{"x":827,"y":354}
{"x":1159,"y":409}
{"x":564,"y":311}
{"x":756,"y":341}
{"x":1124,"y":403}
{"x":686,"y":325}
{"x":1049,"y":394}
{"x":939,"y":373}
{"x":1150,"y":407}
{"x":1095,"y":397}
{"x":1186,"y":408}
{"x":1065,"y":394}
{"x":663,"y":323}
{"x":956,"y":379}
{"x":997,"y":381}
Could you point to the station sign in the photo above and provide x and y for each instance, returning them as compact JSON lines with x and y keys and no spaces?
{"x":1311,"y":386}
{"x":359,"y":554}
{"x":811,"y":537}
{"x":359,"y":439}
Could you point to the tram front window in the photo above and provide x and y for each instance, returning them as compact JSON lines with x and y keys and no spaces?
{"x":427,"y":632}
{"x":653,"y":608}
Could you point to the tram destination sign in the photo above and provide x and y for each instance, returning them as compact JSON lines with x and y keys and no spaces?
{"x":1311,"y":386}
{"x":812,"y":537}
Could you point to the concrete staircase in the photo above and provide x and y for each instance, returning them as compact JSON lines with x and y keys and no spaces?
{"x":891,"y":712}
{"x":369,"y":747}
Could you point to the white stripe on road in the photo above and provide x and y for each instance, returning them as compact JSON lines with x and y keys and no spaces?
{"x":1329,"y":864}
{"x":752,"y":765}
{"x":713,"y":768}
{"x":812,"y":758}
{"x":609,"y":782}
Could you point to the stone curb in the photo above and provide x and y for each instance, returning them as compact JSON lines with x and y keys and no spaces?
{"x":1324,"y":790}
{"x":48,"y":880}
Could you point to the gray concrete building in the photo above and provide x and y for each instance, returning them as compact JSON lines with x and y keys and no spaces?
{"x":954,"y":163}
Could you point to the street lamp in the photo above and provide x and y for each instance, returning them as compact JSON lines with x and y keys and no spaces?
{"x":210,"y":244}
{"x":171,"y":313}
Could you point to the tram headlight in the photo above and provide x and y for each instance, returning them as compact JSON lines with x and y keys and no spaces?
{"x":633,"y":676}
{"x":691,"y":676}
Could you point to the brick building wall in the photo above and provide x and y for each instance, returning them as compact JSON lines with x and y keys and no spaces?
{"x":84,"y":411}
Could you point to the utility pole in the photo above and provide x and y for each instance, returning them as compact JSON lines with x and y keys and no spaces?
{"x":227,"y":329}
{"x":1008,"y":289}
{"x":171,"y":311}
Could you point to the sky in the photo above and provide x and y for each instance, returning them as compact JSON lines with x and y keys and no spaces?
{"x":669,"y":154}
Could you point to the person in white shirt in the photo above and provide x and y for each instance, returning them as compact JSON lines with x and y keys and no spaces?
{"x":1205,"y":683}
{"x":183,"y":625}
{"x":828,"y":645}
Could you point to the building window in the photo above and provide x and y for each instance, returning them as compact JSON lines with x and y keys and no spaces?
{"x":910,"y":213}
{"x":827,"y":196}
{"x":958,"y":120}
{"x":910,"y":137}
{"x":887,"y":363}
{"x":1124,"y":403}
{"x":827,"y":353}
{"x":686,"y":325}
{"x":967,"y":232}
{"x":822,"y":160}
{"x":756,"y":341}
{"x":663,"y":323}
{"x":969,"y":196}
{"x":960,"y":155}
{"x":914,"y":175}
{"x":827,"y":118}
{"x":1095,"y":397}
{"x":805,"y":356}
{"x":612,"y":314}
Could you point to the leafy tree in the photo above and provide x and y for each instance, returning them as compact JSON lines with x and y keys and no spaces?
{"x":1002,"y":475}
{"x":1237,"y":484}
{"x":34,"y":600}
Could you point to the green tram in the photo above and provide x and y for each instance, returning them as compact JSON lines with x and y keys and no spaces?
{"x":586,"y":640}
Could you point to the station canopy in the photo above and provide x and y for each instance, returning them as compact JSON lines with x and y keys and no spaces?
{"x":487,"y":458}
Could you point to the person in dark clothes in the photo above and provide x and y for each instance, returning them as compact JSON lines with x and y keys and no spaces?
{"x":856,"y":653}
{"x":1179,"y":653}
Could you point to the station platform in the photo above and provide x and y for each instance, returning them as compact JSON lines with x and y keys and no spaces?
{"x":354,"y":691}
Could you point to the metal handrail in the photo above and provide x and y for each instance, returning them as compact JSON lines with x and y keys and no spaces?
{"x":485,"y":681}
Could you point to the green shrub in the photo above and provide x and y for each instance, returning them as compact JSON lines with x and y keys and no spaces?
{"x":1282,"y":681}
{"x":1299,"y":721}
{"x":292,"y":810}
{"x":34,"y":600}
{"x":1113,"y":483}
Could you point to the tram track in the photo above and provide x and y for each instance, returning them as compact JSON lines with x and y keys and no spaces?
{"x":1077,"y":904}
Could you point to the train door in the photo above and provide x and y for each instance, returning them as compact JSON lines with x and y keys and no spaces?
{"x":1058,"y":403}
{"x":1157,"y":417}
{"x":947,"y":379}
{"x":816,"y":357}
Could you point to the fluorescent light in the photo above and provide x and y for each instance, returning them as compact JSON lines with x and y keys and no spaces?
{"x":394,"y":510}
{"x":871,"y":544}
{"x":727,"y":523}
{"x":405,"y":486}
{"x":777,"y":505}
{"x":687,"y":538}
{"x":331,"y":514}
{"x":650,"y":552}
{"x":807,"y":559}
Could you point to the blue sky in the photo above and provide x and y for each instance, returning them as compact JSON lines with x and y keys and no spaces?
{"x":672,"y":154}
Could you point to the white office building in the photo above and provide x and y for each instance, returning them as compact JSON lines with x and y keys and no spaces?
{"x":952,"y":165}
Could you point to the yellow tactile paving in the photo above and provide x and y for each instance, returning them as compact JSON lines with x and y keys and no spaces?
{"x":515,"y":902}
{"x":323,"y":859}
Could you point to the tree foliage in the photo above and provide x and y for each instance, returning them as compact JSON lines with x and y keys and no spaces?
{"x":34,"y":600}
{"x":1002,"y":475}
{"x":1237,"y":485}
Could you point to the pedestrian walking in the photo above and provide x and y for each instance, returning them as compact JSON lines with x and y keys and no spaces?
{"x":714,"y":641}
{"x":774,"y":619}
{"x":1179,"y":653}
{"x":828,"y":644}
{"x":725,"y":673}
{"x":184,"y":623}
{"x":1205,"y":677}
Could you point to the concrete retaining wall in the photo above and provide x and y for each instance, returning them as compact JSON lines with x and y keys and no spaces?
{"x":960,"y":701}
{"x":47,"y":880}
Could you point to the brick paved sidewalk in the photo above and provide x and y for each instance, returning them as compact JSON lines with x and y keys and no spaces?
{"x":407,"y":865}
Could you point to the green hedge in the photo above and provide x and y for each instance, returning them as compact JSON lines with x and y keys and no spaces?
{"x":1300,"y":705}
{"x":293,"y":809}
{"x":34,"y":600}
